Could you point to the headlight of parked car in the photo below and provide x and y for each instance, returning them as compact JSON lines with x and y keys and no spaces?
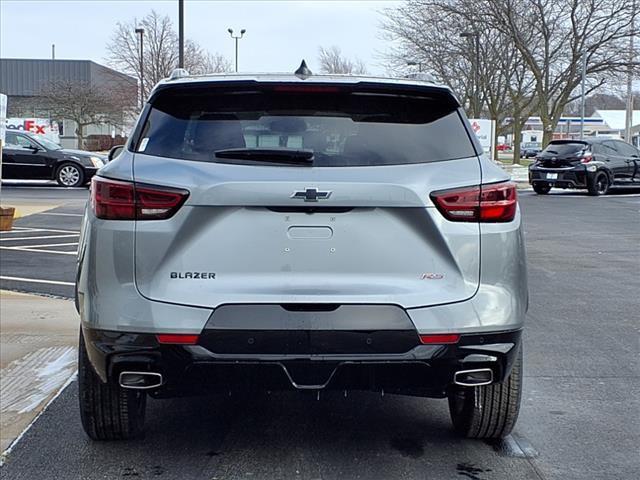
{"x":96,"y":161}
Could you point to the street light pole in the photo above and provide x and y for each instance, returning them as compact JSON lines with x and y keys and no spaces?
{"x":180,"y":33}
{"x":236,"y":38}
{"x":582,"y":99}
{"x":140,"y":31}
{"x":629,"y":115}
{"x":477,"y":105}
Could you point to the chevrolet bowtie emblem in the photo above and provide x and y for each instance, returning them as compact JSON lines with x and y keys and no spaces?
{"x":311,"y":194}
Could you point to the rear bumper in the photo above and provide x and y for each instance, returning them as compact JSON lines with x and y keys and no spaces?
{"x":246,"y":360}
{"x":577,"y":177}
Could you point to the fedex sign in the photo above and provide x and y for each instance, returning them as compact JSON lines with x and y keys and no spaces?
{"x":39,"y":126}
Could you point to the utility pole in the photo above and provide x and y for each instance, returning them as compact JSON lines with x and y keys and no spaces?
{"x":582,"y":87}
{"x":140,"y":31}
{"x":236,"y":38}
{"x":629,"y":115}
{"x":53,"y":51}
{"x":180,"y":33}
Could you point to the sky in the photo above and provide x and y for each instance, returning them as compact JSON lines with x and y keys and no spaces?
{"x":279,"y":33}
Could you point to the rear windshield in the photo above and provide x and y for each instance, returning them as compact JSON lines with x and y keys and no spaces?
{"x":341,"y":128}
{"x":565,"y":148}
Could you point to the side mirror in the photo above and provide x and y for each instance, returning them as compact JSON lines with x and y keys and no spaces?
{"x":115,"y":151}
{"x":33,"y":148}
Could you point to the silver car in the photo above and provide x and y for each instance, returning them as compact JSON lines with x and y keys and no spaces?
{"x":302,"y":232}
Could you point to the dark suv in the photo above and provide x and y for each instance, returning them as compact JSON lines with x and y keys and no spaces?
{"x":594,"y":164}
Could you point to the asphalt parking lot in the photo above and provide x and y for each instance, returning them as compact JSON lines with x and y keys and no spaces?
{"x":580,"y":415}
{"x":38,"y":256}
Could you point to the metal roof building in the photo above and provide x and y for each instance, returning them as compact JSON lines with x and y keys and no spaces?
{"x":25,"y":81}
{"x":26,"y":77}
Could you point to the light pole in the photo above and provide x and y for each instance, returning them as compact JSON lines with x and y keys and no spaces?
{"x":476,"y":70}
{"x":236,"y":38}
{"x":140,"y":31}
{"x":582,"y":93}
{"x":628,"y":121}
{"x":180,"y":33}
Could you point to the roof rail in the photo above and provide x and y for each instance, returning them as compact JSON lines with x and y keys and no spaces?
{"x":178,"y":73}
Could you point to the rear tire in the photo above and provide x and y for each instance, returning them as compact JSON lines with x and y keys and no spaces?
{"x":541,"y":189}
{"x":107,"y":411}
{"x":489,"y":411}
{"x":599,"y":185}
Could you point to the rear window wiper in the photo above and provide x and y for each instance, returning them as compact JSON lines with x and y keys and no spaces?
{"x":273,"y":155}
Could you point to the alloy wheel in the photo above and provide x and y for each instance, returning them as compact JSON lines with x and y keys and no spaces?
{"x":69,"y":175}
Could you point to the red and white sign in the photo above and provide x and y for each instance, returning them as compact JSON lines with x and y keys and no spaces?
{"x":484,"y":130}
{"x":38,"y":126}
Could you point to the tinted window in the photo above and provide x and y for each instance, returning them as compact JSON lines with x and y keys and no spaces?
{"x":564,"y":148}
{"x":609,"y":148}
{"x":19,"y":141}
{"x":341,"y":128}
{"x":625,"y":149}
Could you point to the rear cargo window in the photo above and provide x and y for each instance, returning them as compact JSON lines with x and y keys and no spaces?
{"x":565,"y":148}
{"x":341,"y":128}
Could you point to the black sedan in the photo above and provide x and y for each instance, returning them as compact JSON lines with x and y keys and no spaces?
{"x":31,"y":157}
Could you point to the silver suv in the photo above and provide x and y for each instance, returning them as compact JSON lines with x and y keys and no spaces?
{"x":303,"y":232}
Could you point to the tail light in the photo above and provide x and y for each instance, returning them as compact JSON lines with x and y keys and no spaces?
{"x":118,"y":200}
{"x":491,"y":203}
{"x":586,"y":158}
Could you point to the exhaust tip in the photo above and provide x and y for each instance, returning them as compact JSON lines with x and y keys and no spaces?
{"x":140,"y":380}
{"x":473,"y":378}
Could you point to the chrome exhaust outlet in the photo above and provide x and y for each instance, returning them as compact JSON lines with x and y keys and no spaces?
{"x":140,"y":380}
{"x":473,"y":378}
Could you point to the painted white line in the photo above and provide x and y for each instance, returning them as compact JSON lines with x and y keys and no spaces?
{"x":33,"y":229}
{"x":19,"y":230}
{"x":41,"y":246}
{"x":39,"y":238}
{"x":20,"y":249}
{"x":35,"y":280}
{"x":62,"y":214}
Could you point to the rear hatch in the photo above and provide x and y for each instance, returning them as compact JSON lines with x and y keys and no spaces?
{"x":563,"y":154}
{"x":307,"y":193}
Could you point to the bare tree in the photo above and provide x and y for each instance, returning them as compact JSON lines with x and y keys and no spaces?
{"x":89,"y":104}
{"x":553,"y":37}
{"x":160,"y":55}
{"x":332,"y":61}
{"x":427,"y":33}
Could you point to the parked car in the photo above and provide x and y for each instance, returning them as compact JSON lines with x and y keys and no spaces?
{"x":503,"y":147}
{"x":594,"y":164}
{"x":301,"y":232}
{"x":530,"y":150}
{"x":26,"y":156}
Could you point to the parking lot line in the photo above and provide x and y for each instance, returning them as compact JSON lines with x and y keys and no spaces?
{"x":21,"y":249}
{"x":41,"y":246}
{"x":39,"y":238}
{"x":36,"y":229}
{"x":36,"y":280}
{"x":63,"y":214}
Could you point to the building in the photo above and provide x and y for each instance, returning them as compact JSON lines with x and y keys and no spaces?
{"x":24,"y":80}
{"x":615,"y":121}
